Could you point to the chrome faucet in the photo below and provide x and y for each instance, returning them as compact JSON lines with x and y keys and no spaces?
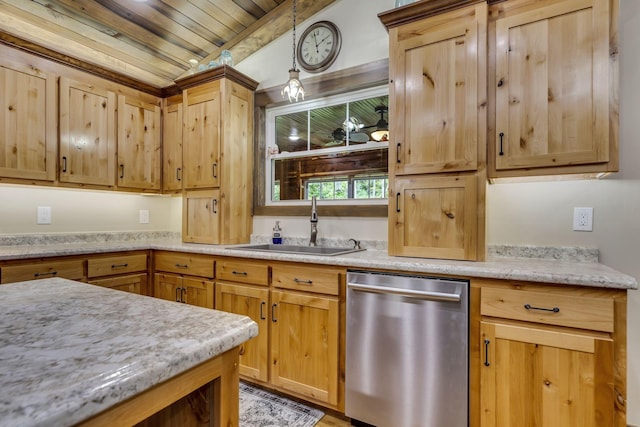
{"x":314,"y":223}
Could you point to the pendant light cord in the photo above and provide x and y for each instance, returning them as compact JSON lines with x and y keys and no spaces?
{"x":294,"y":34}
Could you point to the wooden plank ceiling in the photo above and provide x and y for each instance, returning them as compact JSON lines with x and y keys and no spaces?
{"x":150,"y":41}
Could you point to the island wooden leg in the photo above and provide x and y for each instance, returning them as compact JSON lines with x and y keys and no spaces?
{"x":226,"y":391}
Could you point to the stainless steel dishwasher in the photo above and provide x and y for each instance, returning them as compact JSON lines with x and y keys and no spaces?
{"x":407,"y":346}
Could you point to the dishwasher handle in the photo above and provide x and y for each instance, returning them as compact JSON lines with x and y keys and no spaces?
{"x":423,"y":295}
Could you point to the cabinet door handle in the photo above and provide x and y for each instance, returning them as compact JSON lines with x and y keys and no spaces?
{"x":119,"y":265}
{"x":177,"y":294}
{"x":302,"y":282}
{"x":239,"y":273}
{"x":486,"y":353}
{"x":214,"y":170}
{"x":121,"y":171}
{"x":262,"y":304}
{"x":183,"y":291}
{"x":64,"y":163}
{"x":398,"y":202}
{"x":273,"y":312}
{"x":553,"y":310}
{"x":398,"y":152}
{"x":182,"y":265}
{"x":178,"y":174}
{"x":214,"y":206}
{"x":48,"y":273}
{"x":501,"y":151}
{"x":500,"y":82}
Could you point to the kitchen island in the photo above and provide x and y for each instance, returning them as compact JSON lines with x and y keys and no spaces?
{"x":76,"y":354}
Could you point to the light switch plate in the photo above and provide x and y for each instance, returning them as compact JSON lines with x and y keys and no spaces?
{"x":43,"y":215}
{"x":144,"y":216}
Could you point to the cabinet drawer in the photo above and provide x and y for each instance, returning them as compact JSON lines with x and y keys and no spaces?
{"x":73,"y":270}
{"x":183,"y":263}
{"x":574,"y":311}
{"x":311,"y":279}
{"x":116,"y":265}
{"x":243,"y":271}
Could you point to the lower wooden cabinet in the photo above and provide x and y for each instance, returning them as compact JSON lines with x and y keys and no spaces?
{"x":135,"y":283}
{"x":33,"y":270}
{"x":304,"y":344}
{"x":251,"y":301}
{"x":186,"y":290}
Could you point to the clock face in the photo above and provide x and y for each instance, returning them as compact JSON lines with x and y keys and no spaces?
{"x":319,"y":46}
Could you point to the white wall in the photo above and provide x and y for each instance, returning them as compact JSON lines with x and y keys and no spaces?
{"x":531,"y":213}
{"x":78,"y":211}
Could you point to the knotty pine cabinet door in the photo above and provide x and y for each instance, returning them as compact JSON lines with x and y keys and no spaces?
{"x":253,"y":302}
{"x":436,"y":93}
{"x":139,"y":141}
{"x":434,"y":216}
{"x":201,"y":137}
{"x":545,"y":377}
{"x":187,"y":290}
{"x":172,"y":169}
{"x":304,"y":345}
{"x":135,"y":283}
{"x":551,"y":84}
{"x":201,"y":217}
{"x":28,"y":137}
{"x":87,"y":134}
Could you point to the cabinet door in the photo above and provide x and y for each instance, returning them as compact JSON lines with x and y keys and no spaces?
{"x":544,"y":377}
{"x":198,"y":292}
{"x":87,"y":134}
{"x":552,"y":84}
{"x":435,"y":92}
{"x":201,"y":216}
{"x":201,"y":136}
{"x":138,"y":144}
{"x":172,"y":171}
{"x":253,"y":302}
{"x":167,"y":286}
{"x":433,"y":217}
{"x":27,"y":124}
{"x":304,"y":345}
{"x":135,"y":284}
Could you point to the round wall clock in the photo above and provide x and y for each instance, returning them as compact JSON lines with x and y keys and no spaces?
{"x":319,"y":46}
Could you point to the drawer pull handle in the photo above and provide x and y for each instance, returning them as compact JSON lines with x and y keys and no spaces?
{"x":273,"y":312}
{"x":120,"y":265}
{"x":49,"y":273}
{"x":262,"y":304}
{"x":302,"y":282}
{"x":486,"y":353}
{"x":239,"y":273}
{"x":182,"y":265}
{"x":530,"y":307}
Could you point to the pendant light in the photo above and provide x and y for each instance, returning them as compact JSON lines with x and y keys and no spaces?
{"x":382,"y":127}
{"x":293,"y":89}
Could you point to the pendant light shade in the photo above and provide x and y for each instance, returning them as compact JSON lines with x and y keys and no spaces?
{"x":382,"y":127}
{"x":293,"y":89}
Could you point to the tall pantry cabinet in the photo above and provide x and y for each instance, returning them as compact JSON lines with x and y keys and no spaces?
{"x":437,"y":117}
{"x":217,"y":156}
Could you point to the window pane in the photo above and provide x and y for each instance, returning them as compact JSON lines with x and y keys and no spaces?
{"x":364,"y":113}
{"x":291,"y":132}
{"x":326,"y":126}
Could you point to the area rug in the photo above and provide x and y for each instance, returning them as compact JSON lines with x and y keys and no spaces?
{"x":259,"y":408}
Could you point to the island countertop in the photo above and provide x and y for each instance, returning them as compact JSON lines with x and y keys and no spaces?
{"x":69,"y":350}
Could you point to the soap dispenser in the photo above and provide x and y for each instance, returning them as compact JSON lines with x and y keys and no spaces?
{"x":277,"y":234}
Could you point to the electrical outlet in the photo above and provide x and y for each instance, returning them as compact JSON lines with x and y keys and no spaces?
{"x":583,"y":219}
{"x":144,"y":216}
{"x":43,"y":215}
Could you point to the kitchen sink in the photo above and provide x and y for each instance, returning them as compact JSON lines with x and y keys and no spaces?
{"x":295,"y":249}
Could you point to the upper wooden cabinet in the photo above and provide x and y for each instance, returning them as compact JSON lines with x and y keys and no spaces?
{"x":139,"y":141}
{"x":217,"y":148}
{"x":553,"y":87}
{"x":27,"y":123}
{"x":87,"y":134}
{"x":172,"y":169}
{"x":434,"y":92}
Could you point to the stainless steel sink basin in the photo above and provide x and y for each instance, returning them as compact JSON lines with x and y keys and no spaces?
{"x":294,"y":249}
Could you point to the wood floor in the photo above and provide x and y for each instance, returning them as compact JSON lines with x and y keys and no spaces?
{"x":331,"y":421}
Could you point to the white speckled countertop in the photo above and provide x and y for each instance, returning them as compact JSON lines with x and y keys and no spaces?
{"x":69,"y":350}
{"x":570,"y":266}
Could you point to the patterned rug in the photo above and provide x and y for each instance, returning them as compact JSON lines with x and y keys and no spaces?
{"x":259,"y":408}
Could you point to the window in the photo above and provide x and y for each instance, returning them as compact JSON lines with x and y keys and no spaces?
{"x":324,"y":148}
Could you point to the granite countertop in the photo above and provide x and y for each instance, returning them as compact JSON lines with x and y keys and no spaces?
{"x":570,"y":266}
{"x":69,"y":350}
